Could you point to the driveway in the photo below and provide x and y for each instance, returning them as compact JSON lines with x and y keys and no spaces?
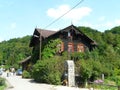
{"x":17,"y":83}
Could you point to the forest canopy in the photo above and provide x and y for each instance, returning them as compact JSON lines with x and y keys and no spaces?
{"x":14,"y":50}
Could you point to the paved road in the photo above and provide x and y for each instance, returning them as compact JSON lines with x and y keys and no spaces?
{"x":17,"y":83}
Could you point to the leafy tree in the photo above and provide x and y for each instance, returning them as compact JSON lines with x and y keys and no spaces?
{"x":114,"y":30}
{"x":14,"y":50}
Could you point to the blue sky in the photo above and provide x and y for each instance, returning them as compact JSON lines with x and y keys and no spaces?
{"x":19,"y":18}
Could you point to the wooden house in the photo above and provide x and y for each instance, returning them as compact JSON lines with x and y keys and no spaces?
{"x":25,"y":63}
{"x":73,"y":40}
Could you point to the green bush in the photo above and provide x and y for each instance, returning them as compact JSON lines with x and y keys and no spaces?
{"x":26,"y":74}
{"x":47,"y":71}
{"x":116,"y":79}
{"x":2,"y":81}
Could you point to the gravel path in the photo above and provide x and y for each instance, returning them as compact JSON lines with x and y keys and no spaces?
{"x":17,"y":83}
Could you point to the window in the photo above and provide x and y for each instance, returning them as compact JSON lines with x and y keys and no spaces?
{"x":80,"y":48}
{"x":61,"y":47}
{"x":70,"y":47}
{"x":70,"y":37}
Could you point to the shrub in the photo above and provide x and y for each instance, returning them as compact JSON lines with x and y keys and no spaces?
{"x":26,"y":74}
{"x":47,"y":71}
{"x":2,"y":81}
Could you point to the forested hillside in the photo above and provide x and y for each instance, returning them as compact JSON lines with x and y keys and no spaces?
{"x":14,"y":50}
{"x":115,"y":30}
{"x":109,"y":38}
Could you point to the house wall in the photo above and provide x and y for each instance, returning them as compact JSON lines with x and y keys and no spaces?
{"x":75,"y":44}
{"x":71,"y":37}
{"x":75,"y":39}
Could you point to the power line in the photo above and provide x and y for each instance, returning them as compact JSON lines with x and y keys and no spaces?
{"x":64,"y":14}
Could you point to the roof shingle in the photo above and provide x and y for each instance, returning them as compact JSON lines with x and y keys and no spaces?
{"x":45,"y":33}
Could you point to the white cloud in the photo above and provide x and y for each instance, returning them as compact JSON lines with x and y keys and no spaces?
{"x":13,"y":25}
{"x":74,"y":15}
{"x":111,"y":24}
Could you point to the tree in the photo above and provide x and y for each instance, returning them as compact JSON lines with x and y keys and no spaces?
{"x":14,"y":50}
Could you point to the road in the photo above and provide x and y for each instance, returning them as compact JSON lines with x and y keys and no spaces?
{"x":17,"y":83}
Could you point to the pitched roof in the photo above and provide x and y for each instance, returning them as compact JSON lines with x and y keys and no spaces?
{"x":48,"y":33}
{"x":45,"y":33}
{"x":77,"y":31}
{"x":25,"y":60}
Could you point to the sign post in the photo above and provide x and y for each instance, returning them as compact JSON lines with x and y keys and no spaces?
{"x":69,"y":66}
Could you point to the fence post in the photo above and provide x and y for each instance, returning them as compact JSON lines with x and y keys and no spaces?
{"x":118,"y":87}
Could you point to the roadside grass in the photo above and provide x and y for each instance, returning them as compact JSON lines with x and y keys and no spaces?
{"x":2,"y":87}
{"x":2,"y":83}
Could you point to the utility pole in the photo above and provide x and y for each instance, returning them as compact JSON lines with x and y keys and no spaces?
{"x":40,"y":39}
{"x":40,"y":42}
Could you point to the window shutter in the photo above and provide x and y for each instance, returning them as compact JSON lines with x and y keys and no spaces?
{"x":80,"y":48}
{"x":70,"y":47}
{"x":62,"y":47}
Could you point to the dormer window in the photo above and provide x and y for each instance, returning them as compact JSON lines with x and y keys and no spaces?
{"x":70,"y":37}
{"x":69,"y":34}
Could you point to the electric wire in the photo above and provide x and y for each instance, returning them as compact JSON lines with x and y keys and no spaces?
{"x":64,"y":14}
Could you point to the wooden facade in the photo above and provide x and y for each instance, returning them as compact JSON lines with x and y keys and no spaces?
{"x":25,"y":63}
{"x":73,"y":40}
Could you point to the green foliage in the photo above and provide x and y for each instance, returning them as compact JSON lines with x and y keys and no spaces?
{"x":92,"y":33}
{"x":77,"y":56}
{"x":35,"y":54}
{"x":116,"y":79}
{"x":50,"y":48}
{"x":47,"y":71}
{"x":26,"y":74}
{"x":2,"y":87}
{"x":85,"y":69}
{"x":53,"y":78}
{"x":14,"y":50}
{"x":115,"y":30}
{"x":105,"y":59}
{"x":2,"y":81}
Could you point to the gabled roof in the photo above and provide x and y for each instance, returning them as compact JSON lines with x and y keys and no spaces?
{"x":36,"y":35}
{"x":45,"y":33}
{"x":77,"y":31}
{"x":49,"y":33}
